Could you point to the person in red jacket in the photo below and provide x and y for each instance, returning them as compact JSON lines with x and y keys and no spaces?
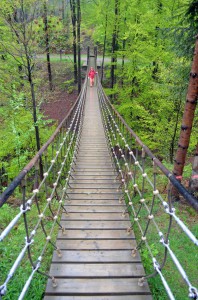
{"x":91,"y":76}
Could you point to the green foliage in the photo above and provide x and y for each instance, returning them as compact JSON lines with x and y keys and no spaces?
{"x":151,"y":86}
{"x":149,"y":92}
{"x":15,"y":241}
{"x":59,"y":37}
{"x":17,"y":135}
{"x":7,"y":213}
{"x":69,"y":85}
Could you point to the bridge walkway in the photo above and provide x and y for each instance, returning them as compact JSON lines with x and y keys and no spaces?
{"x":96,"y":260}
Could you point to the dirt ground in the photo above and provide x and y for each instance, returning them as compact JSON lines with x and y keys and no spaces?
{"x":58,"y":102}
{"x":58,"y":105}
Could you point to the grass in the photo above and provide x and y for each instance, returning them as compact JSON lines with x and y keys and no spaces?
{"x":183,"y":248}
{"x":11,"y":247}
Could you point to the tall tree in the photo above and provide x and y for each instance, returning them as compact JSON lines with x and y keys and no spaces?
{"x":74,"y":18}
{"x":104,"y":46}
{"x":20,"y":16}
{"x":123,"y":53}
{"x":114,"y":44}
{"x":63,"y":10}
{"x":187,"y":121}
{"x":79,"y":44}
{"x":46,"y":30}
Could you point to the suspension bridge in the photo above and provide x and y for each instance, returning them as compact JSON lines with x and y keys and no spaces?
{"x":97,"y":185}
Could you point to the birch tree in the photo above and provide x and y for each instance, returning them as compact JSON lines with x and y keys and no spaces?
{"x":47,"y":44}
{"x":19,"y":16}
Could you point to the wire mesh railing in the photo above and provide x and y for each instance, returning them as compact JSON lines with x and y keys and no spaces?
{"x":42,"y":197}
{"x":146,"y":186}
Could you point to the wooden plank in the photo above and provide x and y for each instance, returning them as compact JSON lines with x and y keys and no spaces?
{"x":97,"y":286}
{"x":91,"y":180}
{"x":94,"y":202}
{"x":96,"y":224}
{"x":96,"y":256}
{"x":94,"y":164}
{"x":99,"y":177}
{"x":94,"y":196}
{"x":94,"y":216}
{"x":88,"y":234}
{"x":94,"y":190}
{"x":96,"y":244}
{"x":93,"y":158}
{"x":90,"y":270}
{"x":93,"y":185}
{"x":87,"y":150}
{"x":96,"y":153}
{"x":92,"y":155}
{"x":101,"y":141}
{"x":94,"y":147}
{"x":106,"y":297}
{"x":95,"y":208}
{"x":108,"y":179}
{"x":95,"y":169}
{"x":95,"y":173}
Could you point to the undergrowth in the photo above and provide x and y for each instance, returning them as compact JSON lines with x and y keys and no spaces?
{"x":12,"y":245}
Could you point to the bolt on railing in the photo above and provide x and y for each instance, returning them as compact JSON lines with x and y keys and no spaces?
{"x":144,"y":182}
{"x":42,"y":199}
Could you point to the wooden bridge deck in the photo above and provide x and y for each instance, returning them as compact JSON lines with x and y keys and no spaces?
{"x":96,"y":258}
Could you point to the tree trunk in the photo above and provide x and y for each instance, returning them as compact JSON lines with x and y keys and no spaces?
{"x":45,"y":21}
{"x":114,"y":46}
{"x":96,"y":52}
{"x":104,"y":47}
{"x":123,"y":55}
{"x":34,"y":110}
{"x":88,"y":55}
{"x":29,"y":73}
{"x":172,"y":144}
{"x":67,"y":12}
{"x":63,"y":10}
{"x":187,"y":121}
{"x":73,"y":18}
{"x":78,"y":44}
{"x":193,"y":183}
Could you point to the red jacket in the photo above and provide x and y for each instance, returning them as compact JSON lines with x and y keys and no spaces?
{"x":92,"y":74}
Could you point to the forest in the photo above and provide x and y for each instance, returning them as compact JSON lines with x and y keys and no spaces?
{"x":147,"y":58}
{"x":145,"y":49}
